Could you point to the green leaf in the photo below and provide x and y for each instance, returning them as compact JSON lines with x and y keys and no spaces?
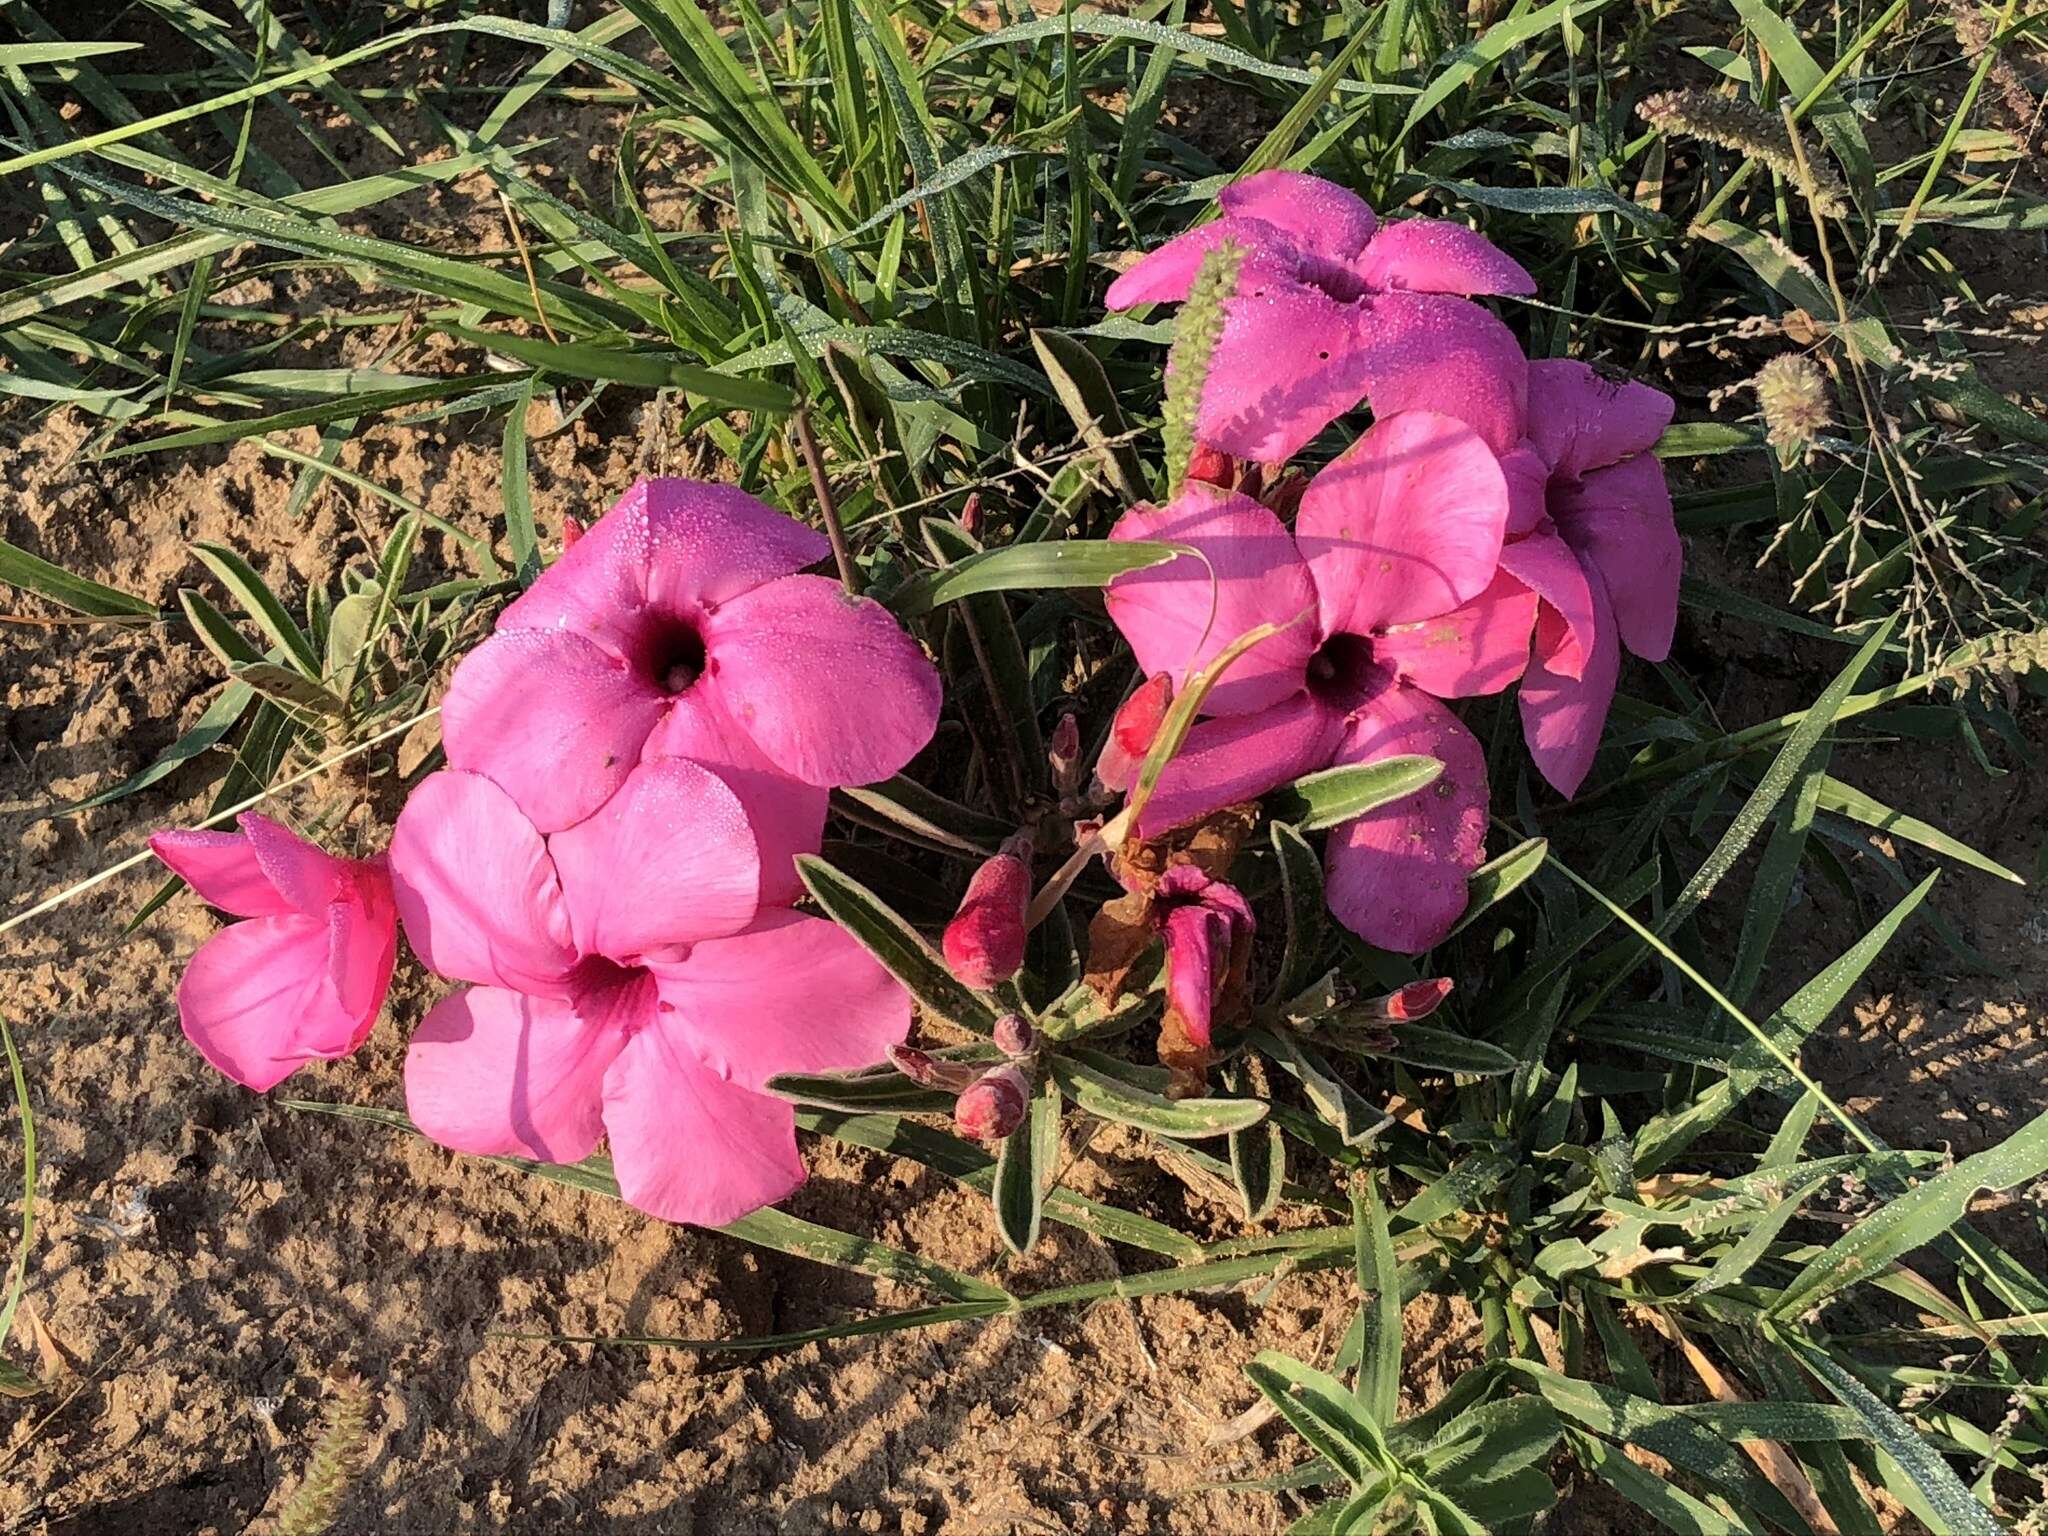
{"x":1497,"y":879}
{"x":1258,"y":1166}
{"x":1537,"y":201}
{"x":1354,"y":1120}
{"x":515,"y":485}
{"x":1027,"y":567}
{"x":1730,"y":1268}
{"x":1084,"y":389}
{"x":1096,"y":1091}
{"x":1025,"y":1168}
{"x":1443,"y":1050}
{"x":1462,"y":64}
{"x":261,"y":604}
{"x":641,"y":370}
{"x":206,"y":733}
{"x":1493,"y":1440}
{"x":1323,"y":1413}
{"x":1666,"y":1503}
{"x":902,"y":951}
{"x":19,"y":568}
{"x":1847,"y":800}
{"x":20,"y":1383}
{"x":284,"y":686}
{"x":1301,"y":879}
{"x":1379,"y":1289}
{"x":879,"y":1089}
{"x":902,"y":806}
{"x":1915,"y":1218}
{"x":1318,"y":801}
{"x":215,"y":632}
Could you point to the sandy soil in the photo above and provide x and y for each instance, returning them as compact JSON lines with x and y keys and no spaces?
{"x":210,"y":1258}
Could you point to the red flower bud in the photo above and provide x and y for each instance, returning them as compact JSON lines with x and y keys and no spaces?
{"x":572,"y":530}
{"x":994,"y":1105}
{"x":1417,"y":1000}
{"x":1130,"y":735}
{"x":970,"y":513}
{"x":1015,"y":1036}
{"x":1212,"y":465}
{"x":984,"y":943}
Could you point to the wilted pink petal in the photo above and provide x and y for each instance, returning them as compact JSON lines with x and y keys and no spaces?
{"x":984,"y":943}
{"x":500,"y":1074}
{"x":1433,"y":352}
{"x":1332,"y":221}
{"x":476,"y":888}
{"x":1202,"y":922}
{"x":790,"y":994}
{"x":1476,"y":649}
{"x":668,"y":860}
{"x":1179,"y":616}
{"x":1549,"y":568}
{"x":1288,"y":363}
{"x":787,"y":816}
{"x":1580,"y":421}
{"x":827,"y":684}
{"x":688,"y":1145}
{"x":993,"y":1105}
{"x":1396,"y":875}
{"x":1406,"y":525}
{"x":1620,"y":520}
{"x":1226,"y":761}
{"x":258,"y":1000}
{"x":1132,"y":732}
{"x":666,"y":548}
{"x":222,"y":869}
{"x":1436,"y":256}
{"x":550,"y":718}
{"x":1562,"y":715}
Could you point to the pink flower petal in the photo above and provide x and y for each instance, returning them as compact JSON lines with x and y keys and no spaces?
{"x":1133,"y":731}
{"x":1396,"y":876}
{"x":257,"y":1000}
{"x":677,"y":547}
{"x":687,"y":1145}
{"x":1180,"y":615}
{"x":1406,"y":525}
{"x":1476,"y":649}
{"x":1319,"y":215}
{"x":787,"y":817}
{"x":1579,"y":420}
{"x":301,"y":872}
{"x":1528,"y":480}
{"x":668,"y":860}
{"x":1436,"y":256}
{"x":222,"y":868}
{"x":1289,"y":362}
{"x":551,"y":719}
{"x":1434,"y":352}
{"x":1230,"y":760}
{"x":1549,"y":567}
{"x":1163,"y":276}
{"x":362,"y":940}
{"x":790,"y":994}
{"x":828,"y":685}
{"x":1562,"y":715}
{"x":1620,"y":520}
{"x":494,"y":1073}
{"x":476,"y":889}
{"x":1193,"y":935}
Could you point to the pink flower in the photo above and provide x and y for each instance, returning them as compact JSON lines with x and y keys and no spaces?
{"x":1333,"y":307}
{"x":984,"y":943}
{"x":627,"y":983}
{"x":680,"y":626}
{"x":1390,"y":594}
{"x":1206,"y":926}
{"x":305,"y":977}
{"x":1591,"y":533}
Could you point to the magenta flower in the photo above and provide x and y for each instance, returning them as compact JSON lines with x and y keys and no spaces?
{"x":1206,"y":926}
{"x":305,"y":976}
{"x":680,"y":626}
{"x":1591,"y":533}
{"x":1390,"y":594}
{"x":1333,"y":307}
{"x":627,"y":983}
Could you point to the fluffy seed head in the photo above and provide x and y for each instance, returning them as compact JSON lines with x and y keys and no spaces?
{"x":1794,"y":395}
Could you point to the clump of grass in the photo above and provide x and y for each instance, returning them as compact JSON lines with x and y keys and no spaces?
{"x":337,"y":1461}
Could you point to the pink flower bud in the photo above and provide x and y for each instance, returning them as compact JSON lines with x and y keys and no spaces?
{"x":1064,"y":753}
{"x":1417,"y":1000}
{"x":926,"y":1070}
{"x":572,"y":530}
{"x":970,"y":513}
{"x":1015,"y":1036}
{"x":994,"y":1105}
{"x":984,"y":943}
{"x":1130,"y":735}
{"x":1211,"y":465}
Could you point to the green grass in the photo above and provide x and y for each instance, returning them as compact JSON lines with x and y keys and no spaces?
{"x":909,"y":223}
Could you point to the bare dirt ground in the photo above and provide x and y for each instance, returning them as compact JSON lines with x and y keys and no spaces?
{"x":210,"y":1258}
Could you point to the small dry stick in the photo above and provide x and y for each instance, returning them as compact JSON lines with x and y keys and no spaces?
{"x":807,"y":440}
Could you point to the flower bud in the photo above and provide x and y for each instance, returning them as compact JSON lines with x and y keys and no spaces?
{"x":1063,"y":752}
{"x":1130,"y":735}
{"x":1015,"y":1035}
{"x":926,"y":1070}
{"x":984,"y":944}
{"x":993,"y":1106}
{"x":1212,"y":465}
{"x":970,"y":513}
{"x":1417,"y":1000}
{"x":572,"y":530}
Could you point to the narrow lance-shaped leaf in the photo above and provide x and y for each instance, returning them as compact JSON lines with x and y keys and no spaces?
{"x":1097,"y":1092}
{"x":1318,"y":801}
{"x":901,"y":949}
{"x":1025,"y":1168}
{"x":1027,"y":567}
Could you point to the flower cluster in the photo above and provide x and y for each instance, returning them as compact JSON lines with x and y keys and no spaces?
{"x":636,"y":757}
{"x":1501,"y":521}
